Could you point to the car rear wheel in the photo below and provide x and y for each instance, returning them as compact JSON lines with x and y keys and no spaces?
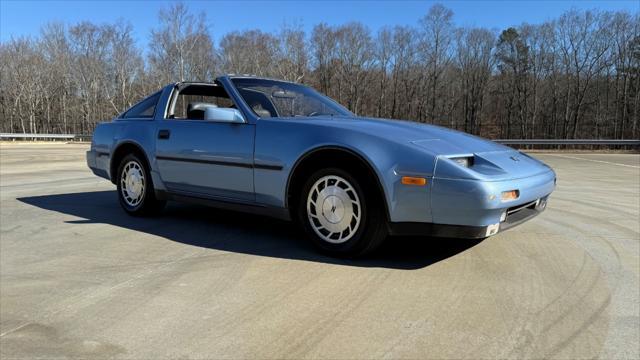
{"x":341,"y":215}
{"x":135,"y":187}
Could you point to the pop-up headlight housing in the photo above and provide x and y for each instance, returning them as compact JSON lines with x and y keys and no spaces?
{"x":464,"y":161}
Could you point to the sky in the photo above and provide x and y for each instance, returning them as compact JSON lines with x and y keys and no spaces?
{"x":24,"y":18}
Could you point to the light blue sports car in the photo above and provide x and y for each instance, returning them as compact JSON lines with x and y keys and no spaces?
{"x":282,"y":149}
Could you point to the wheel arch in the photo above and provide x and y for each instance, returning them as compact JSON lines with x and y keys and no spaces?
{"x":120,"y":151}
{"x":312,"y":161}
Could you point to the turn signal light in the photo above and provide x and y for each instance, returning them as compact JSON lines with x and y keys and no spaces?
{"x":417,"y":181}
{"x":510,"y":195}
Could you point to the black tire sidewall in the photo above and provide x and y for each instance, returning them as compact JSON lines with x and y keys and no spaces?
{"x":369,"y":221}
{"x":148,"y":186}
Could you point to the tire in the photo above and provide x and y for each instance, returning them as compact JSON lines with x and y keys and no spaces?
{"x":135,"y":188}
{"x":341,"y":215}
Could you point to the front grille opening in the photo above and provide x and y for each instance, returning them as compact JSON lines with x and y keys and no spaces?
{"x":515,"y":209}
{"x":520,"y":212}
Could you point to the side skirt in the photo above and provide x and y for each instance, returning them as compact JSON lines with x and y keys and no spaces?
{"x":226,"y":204}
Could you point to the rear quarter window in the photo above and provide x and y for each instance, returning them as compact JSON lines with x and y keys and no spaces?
{"x":144,"y":109}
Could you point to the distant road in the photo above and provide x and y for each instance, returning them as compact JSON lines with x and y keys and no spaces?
{"x":79,"y":278}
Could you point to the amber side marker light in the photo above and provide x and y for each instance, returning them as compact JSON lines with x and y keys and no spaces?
{"x":417,"y":181}
{"x":510,"y":195}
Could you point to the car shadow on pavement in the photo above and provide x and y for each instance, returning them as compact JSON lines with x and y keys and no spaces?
{"x":242,"y":233}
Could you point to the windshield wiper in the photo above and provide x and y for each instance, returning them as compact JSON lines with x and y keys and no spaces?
{"x":321,"y":114}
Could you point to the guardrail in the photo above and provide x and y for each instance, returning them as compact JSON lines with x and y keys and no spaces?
{"x":558,"y":142}
{"x":24,"y":136}
{"x":568,"y":142}
{"x":37,"y":136}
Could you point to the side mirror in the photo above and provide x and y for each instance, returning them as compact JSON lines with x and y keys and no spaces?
{"x":229,"y":115}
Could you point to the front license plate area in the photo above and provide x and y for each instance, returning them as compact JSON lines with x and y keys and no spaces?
{"x":492,"y":229}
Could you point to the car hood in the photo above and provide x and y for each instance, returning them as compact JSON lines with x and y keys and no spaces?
{"x":433,"y":139}
{"x":492,"y":162}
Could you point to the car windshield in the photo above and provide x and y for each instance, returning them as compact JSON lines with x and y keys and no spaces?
{"x":272,"y":98}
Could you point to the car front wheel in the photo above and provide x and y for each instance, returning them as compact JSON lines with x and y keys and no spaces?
{"x":135,"y":187}
{"x":341,"y":215}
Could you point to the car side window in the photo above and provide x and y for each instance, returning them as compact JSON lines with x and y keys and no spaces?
{"x":144,"y":109}
{"x":190,"y":101}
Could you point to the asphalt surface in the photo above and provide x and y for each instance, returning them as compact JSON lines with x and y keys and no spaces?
{"x":79,"y":278}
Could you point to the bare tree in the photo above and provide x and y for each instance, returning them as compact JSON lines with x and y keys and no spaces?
{"x":512,"y":54}
{"x":574,"y":76}
{"x":249,"y":52}
{"x":437,"y":30}
{"x":126,"y":64}
{"x":354,"y":52}
{"x":292,"y":59}
{"x":584,"y":41}
{"x":405,"y":54}
{"x":181,"y":48}
{"x":384,"y":58}
{"x":323,"y":47}
{"x":475,"y":62}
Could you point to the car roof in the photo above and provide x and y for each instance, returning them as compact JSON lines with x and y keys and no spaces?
{"x":256,"y":77}
{"x":232,"y":76}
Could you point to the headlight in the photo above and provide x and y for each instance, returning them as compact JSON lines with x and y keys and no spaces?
{"x":466,"y":161}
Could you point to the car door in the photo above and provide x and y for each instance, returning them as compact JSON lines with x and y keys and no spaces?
{"x":205,"y":158}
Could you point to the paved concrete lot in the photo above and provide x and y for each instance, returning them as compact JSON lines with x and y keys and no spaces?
{"x":79,"y":278}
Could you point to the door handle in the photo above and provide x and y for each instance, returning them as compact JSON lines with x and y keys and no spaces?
{"x":164,"y":134}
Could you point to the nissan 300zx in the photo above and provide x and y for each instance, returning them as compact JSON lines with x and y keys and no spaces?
{"x":282,"y":149}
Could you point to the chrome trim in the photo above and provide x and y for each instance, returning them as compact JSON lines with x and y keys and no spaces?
{"x":509,"y":212}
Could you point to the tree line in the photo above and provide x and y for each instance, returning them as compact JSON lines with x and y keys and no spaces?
{"x":576,"y":76}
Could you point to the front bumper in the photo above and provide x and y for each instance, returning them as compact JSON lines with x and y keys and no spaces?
{"x":478,"y":203}
{"x":518,"y":216}
{"x":465,"y":208}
